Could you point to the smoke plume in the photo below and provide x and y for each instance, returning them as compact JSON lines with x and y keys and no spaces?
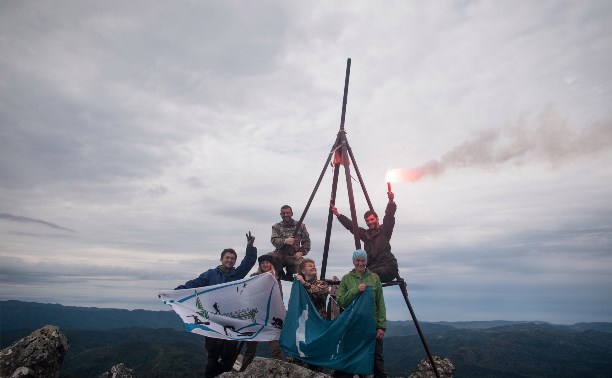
{"x":550,"y":139}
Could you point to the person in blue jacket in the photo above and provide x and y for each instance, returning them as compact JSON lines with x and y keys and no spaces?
{"x":222,"y":353}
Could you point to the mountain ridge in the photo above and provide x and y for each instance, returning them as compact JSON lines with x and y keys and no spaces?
{"x":478,"y":349}
{"x":22,"y":315}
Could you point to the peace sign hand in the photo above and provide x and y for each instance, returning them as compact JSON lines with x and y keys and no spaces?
{"x":250,"y":239}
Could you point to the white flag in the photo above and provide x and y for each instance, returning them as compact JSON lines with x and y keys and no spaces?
{"x":249,"y":309}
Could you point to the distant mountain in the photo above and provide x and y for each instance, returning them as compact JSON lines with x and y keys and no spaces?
{"x":486,"y":324}
{"x":154,"y":344}
{"x":16,"y":315}
{"x":522,"y":350}
{"x":603,"y":327}
{"x":516,"y":350}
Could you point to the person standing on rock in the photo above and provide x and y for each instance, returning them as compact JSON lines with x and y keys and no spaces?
{"x":354,"y":283}
{"x":223,"y":353}
{"x":265,"y":266}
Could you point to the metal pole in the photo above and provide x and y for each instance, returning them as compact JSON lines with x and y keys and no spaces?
{"x":330,"y":221}
{"x":418,"y":327}
{"x":365,"y":192}
{"x":314,"y":191}
{"x":349,"y":188}
{"x":346,"y":84}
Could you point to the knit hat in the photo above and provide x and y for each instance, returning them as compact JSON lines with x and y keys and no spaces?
{"x":360,"y":253}
{"x":263,"y":258}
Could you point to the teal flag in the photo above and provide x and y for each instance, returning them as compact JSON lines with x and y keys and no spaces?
{"x":345,"y":343}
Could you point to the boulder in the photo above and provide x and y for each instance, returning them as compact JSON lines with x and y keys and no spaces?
{"x":445,"y":368}
{"x":266,"y":367}
{"x":118,"y":371}
{"x":39,"y":354}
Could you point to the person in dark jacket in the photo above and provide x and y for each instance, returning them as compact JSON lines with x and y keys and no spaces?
{"x":376,"y":239}
{"x":222,"y":353}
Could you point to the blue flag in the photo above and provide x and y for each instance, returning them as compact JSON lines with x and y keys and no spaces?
{"x":346,"y":343}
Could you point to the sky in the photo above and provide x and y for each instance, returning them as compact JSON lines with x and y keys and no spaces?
{"x":139,"y":139}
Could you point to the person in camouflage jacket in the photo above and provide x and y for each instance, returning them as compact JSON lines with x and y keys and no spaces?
{"x":289,"y":249}
{"x":318,"y":290}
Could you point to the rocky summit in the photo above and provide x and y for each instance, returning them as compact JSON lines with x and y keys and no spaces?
{"x":41,"y":354}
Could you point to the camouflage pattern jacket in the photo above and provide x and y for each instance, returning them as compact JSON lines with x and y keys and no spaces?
{"x":280,"y":232}
{"x":318,"y":291}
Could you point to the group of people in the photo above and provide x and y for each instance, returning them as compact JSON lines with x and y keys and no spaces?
{"x":372,"y":265}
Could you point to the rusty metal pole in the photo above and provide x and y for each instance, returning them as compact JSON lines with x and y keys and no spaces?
{"x":418,"y":328}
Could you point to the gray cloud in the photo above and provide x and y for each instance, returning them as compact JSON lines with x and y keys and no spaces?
{"x":18,"y":218}
{"x":166,"y":132}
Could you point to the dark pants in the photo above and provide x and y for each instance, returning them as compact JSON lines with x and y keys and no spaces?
{"x":251,"y":349}
{"x":288,"y":262}
{"x":221,"y":356}
{"x":379,"y":364}
{"x":379,"y":361}
{"x":297,"y":361}
{"x":386,"y":273}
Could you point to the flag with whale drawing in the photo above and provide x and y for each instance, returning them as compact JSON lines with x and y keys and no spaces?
{"x":248,"y":309}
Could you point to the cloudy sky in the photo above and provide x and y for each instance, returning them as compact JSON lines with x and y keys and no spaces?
{"x":138,"y":139}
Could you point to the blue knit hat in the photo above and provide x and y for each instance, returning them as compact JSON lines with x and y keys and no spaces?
{"x":360,"y":253}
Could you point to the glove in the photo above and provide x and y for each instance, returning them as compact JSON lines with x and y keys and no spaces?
{"x":250,"y":239}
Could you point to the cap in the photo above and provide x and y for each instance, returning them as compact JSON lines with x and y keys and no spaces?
{"x":360,"y":253}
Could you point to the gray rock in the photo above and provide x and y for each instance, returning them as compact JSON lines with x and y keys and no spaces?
{"x":39,"y":354}
{"x":265,"y":367}
{"x":445,"y":368}
{"x":118,"y":371}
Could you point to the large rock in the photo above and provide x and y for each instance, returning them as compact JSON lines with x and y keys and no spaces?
{"x":445,"y":368}
{"x":118,"y":371}
{"x":39,"y":354}
{"x":266,"y":367}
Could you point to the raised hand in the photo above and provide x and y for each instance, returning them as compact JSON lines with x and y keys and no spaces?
{"x":250,"y":239}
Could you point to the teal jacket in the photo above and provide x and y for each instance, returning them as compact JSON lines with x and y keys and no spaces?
{"x":347,"y":291}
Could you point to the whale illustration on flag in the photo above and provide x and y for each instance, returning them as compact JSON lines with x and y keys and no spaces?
{"x":249,"y":309}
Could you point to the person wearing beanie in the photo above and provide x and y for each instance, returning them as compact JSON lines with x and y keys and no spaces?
{"x":376,"y":239}
{"x":265,"y":266}
{"x":360,"y":253}
{"x":351,"y":285}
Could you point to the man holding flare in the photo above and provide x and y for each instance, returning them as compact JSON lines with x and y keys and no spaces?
{"x":376,"y":238}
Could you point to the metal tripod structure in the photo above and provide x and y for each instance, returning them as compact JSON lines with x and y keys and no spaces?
{"x":341,"y":151}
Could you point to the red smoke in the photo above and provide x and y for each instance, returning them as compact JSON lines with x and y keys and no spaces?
{"x":550,"y":139}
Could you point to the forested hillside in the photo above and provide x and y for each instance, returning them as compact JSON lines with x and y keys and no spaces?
{"x":143,"y":341}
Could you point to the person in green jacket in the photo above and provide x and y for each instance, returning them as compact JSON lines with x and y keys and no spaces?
{"x":351,"y":285}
